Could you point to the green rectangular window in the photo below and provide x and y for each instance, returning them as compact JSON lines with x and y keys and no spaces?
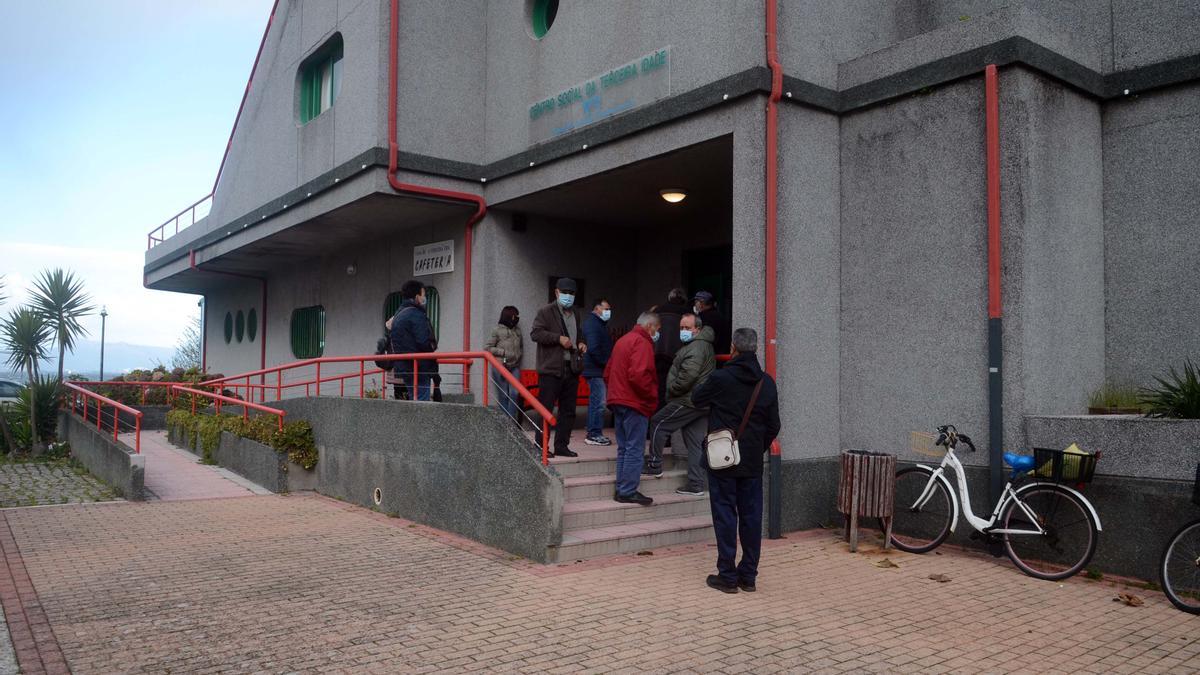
{"x":308,"y":332}
{"x":321,"y":80}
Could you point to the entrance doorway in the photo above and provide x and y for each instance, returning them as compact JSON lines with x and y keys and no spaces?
{"x":711,"y":269}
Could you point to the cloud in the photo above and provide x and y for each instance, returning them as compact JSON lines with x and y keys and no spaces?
{"x":113,"y":279}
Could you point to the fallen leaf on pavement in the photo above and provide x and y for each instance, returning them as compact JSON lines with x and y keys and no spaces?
{"x":940,"y":578}
{"x":645,"y":552}
{"x":885,"y":563}
{"x":1129,"y":599}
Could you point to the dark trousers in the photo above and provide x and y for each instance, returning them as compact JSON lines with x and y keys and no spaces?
{"x":737,"y":505}
{"x":662,"y":366}
{"x":561,"y":392}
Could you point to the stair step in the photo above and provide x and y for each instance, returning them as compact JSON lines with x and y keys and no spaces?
{"x":595,"y":513}
{"x":579,"y":488}
{"x":592,"y":466}
{"x":630,"y":538}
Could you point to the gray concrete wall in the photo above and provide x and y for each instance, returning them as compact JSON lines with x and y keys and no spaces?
{"x":1131,"y":445}
{"x":465,"y":469}
{"x":1151,"y":151}
{"x":104,"y":458}
{"x":272,"y":152}
{"x":913,"y":313}
{"x":234,"y":356}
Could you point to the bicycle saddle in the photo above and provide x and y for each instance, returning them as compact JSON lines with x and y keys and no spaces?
{"x":1019,"y":463}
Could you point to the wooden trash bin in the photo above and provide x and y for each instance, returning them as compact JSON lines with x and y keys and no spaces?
{"x":867,"y":488}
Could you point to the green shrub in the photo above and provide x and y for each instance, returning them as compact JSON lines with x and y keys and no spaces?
{"x":1177,"y":395}
{"x":47,"y":396}
{"x":296,"y":439}
{"x":1116,"y":395}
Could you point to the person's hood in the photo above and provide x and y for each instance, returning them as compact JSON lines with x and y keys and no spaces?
{"x":707,"y":334}
{"x":745,"y":368}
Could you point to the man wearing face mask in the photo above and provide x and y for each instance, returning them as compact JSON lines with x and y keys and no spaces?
{"x":599,"y":348}
{"x":693,"y":363}
{"x":633,"y":396}
{"x":411,"y":333}
{"x":560,"y":346}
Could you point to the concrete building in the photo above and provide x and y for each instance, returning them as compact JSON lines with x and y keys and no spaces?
{"x":568,"y":118}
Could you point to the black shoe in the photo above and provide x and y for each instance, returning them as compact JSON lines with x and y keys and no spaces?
{"x":565,"y":452}
{"x":635,"y":498}
{"x":747,"y":586}
{"x":715,"y":581}
{"x":656,"y":473}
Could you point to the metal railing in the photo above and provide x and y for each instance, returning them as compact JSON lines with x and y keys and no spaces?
{"x":187,"y":216}
{"x":218,"y":399}
{"x":314,"y":384}
{"x":80,"y":395}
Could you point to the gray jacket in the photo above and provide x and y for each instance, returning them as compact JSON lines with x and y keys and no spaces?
{"x":505,"y":344}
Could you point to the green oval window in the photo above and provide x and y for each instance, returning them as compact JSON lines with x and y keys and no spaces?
{"x":252,"y":324}
{"x":544,"y":12}
{"x":239,"y":326}
{"x":228,"y":327}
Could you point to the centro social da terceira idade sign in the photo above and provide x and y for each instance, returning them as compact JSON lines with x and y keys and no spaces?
{"x":641,"y":81}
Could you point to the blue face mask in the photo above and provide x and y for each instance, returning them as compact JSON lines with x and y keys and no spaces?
{"x":605,"y":314}
{"x":686,"y":335}
{"x":566,"y":300}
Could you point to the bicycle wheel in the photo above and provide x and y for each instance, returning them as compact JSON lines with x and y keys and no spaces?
{"x":1180,"y":569}
{"x":1070,"y":532}
{"x":919,"y":528}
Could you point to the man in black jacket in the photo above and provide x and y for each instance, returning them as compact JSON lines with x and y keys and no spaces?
{"x":411,"y":333}
{"x":736,"y":493}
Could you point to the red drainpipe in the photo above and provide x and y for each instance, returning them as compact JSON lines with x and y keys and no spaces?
{"x":262,"y":319}
{"x":772,"y":188}
{"x":394,"y":149}
{"x":991,"y":87}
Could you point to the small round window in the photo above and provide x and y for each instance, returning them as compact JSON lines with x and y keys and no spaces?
{"x":228,"y":327}
{"x":240,"y":325}
{"x":541,"y":16}
{"x":252,"y":324}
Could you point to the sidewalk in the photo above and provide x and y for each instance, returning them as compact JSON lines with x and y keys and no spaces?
{"x":306,"y":583}
{"x":174,"y":474}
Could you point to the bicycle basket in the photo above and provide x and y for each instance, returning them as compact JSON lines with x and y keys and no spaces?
{"x":1064,"y":467}
{"x":923,"y":443}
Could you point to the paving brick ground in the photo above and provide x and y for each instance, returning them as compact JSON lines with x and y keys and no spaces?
{"x":303,"y":583}
{"x":40,"y":483}
{"x":173,"y":474}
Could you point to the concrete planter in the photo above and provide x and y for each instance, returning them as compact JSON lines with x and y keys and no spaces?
{"x":1132,"y":445}
{"x":111,"y":462}
{"x":254,"y":461}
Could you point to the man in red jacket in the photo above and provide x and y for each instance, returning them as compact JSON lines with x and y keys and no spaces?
{"x":633,"y":396}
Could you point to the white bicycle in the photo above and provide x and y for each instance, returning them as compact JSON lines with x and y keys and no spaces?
{"x":1049,"y":530}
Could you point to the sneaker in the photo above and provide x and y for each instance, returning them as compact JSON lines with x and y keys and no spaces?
{"x":691,"y":492}
{"x":635,"y":498}
{"x":654,"y":473}
{"x":565,"y":452}
{"x":597,"y":440}
{"x":747,"y":586}
{"x":720,"y":584}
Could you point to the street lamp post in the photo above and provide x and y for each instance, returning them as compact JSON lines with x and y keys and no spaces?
{"x":103,"y":317}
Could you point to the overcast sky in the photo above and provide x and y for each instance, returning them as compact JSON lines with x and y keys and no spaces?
{"x":114,"y":117}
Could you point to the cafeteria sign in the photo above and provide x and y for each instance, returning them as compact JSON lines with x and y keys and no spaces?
{"x":434,"y":258}
{"x":641,"y":81}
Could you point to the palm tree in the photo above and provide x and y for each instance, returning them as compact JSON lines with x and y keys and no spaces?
{"x":25,"y":333}
{"x":58,"y":296}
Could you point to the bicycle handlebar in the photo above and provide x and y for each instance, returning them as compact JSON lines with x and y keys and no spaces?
{"x":949,"y":437}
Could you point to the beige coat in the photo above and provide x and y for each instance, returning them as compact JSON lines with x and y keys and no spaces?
{"x":505,"y":344}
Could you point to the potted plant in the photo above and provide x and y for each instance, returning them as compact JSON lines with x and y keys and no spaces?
{"x":1176,"y":396}
{"x":1115,"y":398}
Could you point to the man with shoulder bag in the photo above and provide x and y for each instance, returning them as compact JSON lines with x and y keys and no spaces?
{"x":743,"y":422}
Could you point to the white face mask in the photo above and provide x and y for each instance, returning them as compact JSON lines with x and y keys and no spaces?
{"x":695,"y":309}
{"x":605,"y":314}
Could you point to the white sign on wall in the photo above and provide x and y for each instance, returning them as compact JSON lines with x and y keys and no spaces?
{"x":434,"y":258}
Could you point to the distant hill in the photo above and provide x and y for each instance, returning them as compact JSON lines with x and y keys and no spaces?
{"x":119,"y":357}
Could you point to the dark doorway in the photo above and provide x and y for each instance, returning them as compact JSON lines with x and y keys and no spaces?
{"x":711,"y":269}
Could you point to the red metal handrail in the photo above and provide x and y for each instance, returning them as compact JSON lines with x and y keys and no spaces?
{"x":145,"y":386}
{"x":101,"y":401}
{"x":489,"y":361}
{"x":247,"y":406}
{"x":242,"y":381}
{"x":159,"y":234}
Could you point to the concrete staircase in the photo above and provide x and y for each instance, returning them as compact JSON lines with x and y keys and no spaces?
{"x":595,"y":525}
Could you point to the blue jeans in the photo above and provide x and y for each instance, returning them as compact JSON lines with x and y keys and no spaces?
{"x":425,"y":379}
{"x":596,"y":397}
{"x":737,"y":505}
{"x":506,"y":394}
{"x":631,"y":445}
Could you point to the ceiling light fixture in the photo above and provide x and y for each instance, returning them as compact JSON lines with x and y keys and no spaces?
{"x":673,"y":195}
